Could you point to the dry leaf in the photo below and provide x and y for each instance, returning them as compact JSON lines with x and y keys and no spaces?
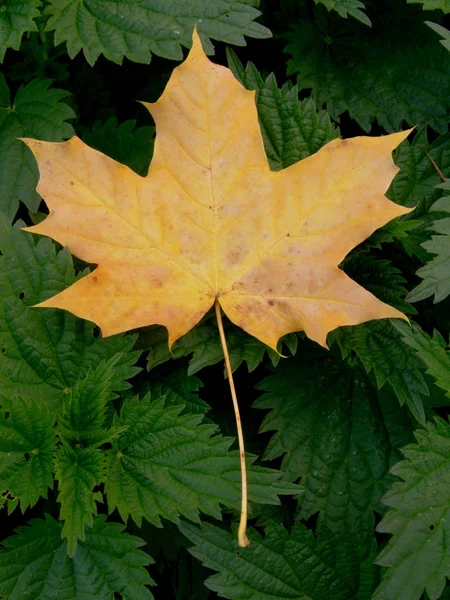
{"x":211,"y":220}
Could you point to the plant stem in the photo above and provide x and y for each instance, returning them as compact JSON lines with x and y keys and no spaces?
{"x":243,"y":540}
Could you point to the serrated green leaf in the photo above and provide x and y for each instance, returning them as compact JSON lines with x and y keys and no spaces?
{"x":442,"y":31}
{"x":347,"y":8}
{"x":136,"y":30}
{"x":37,"y":111}
{"x":82,"y":417}
{"x":177,"y":387}
{"x":436,"y":273}
{"x":379,"y":277}
{"x":27,"y":443}
{"x":124,"y":142}
{"x":204,"y":343}
{"x":34,"y":564}
{"x":432,"y":351}
{"x":382,"y":351}
{"x":45,"y":351}
{"x":166,"y":464}
{"x":418,"y":556}
{"x":331,"y":432}
{"x":291,"y":130}
{"x":417,"y":184}
{"x":346,"y":69}
{"x":280,"y":566}
{"x":16,"y":18}
{"x":78,"y":471}
{"x":443,"y":5}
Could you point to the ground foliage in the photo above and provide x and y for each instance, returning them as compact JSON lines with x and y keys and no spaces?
{"x":118,"y":470}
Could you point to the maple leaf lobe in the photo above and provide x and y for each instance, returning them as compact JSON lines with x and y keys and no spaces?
{"x":211,"y":220}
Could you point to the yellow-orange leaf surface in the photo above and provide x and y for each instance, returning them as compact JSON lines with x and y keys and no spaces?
{"x":211,"y":220}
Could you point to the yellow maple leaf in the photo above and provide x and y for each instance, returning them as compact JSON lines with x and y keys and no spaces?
{"x":212,"y":221}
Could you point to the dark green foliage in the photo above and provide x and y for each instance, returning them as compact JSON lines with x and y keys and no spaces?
{"x":118,"y":466}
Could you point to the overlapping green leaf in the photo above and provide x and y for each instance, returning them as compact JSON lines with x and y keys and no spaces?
{"x":333,"y":432}
{"x":442,"y":31}
{"x":443,"y":5}
{"x":382,"y":351}
{"x":35,"y":564}
{"x":418,"y":554}
{"x":347,"y":8}
{"x":431,"y":351}
{"x":27,"y":443}
{"x":16,"y":18}
{"x":126,"y":143}
{"x":37,"y":111}
{"x":282,"y":565}
{"x":436,"y":273}
{"x":422,"y":165}
{"x":45,"y":351}
{"x":166,"y":464}
{"x":291,"y":130}
{"x":346,"y":69}
{"x":138,"y":29}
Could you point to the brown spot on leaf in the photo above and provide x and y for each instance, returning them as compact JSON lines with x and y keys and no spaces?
{"x":270,"y":302}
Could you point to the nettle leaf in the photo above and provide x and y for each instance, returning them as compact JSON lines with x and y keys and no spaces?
{"x":346,"y":70}
{"x":82,"y":417}
{"x":417,"y":184}
{"x":347,"y":8}
{"x":380,"y":277}
{"x":432,"y":351}
{"x":122,"y":141}
{"x":35,"y":564}
{"x":27,"y":443}
{"x":37,"y":111}
{"x":204,"y":343}
{"x":418,"y":554}
{"x":442,"y":31}
{"x":44,"y":352}
{"x":78,"y":471}
{"x":177,"y":387}
{"x":436,"y":273}
{"x":136,"y":30}
{"x":443,"y":5}
{"x":280,"y":566}
{"x":291,"y":130}
{"x":16,"y":18}
{"x":166,"y":464}
{"x":382,"y":351}
{"x":333,"y":432}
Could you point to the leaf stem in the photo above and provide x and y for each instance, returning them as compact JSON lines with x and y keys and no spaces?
{"x":243,"y":540}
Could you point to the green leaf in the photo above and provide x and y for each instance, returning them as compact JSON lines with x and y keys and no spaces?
{"x":418,"y":554}
{"x":38,"y":112}
{"x":442,"y":31}
{"x":27,"y":443}
{"x":291,"y":130}
{"x":347,"y":8}
{"x":382,"y":351}
{"x":78,"y":471}
{"x":16,"y":18}
{"x":45,"y":351}
{"x":35,"y":564}
{"x":166,"y":464}
{"x":124,"y":142}
{"x":280,"y":566}
{"x":346,"y":69}
{"x":332,"y":432}
{"x":82,"y":417}
{"x":417,"y":184}
{"x":204,"y":343}
{"x":436,"y":273}
{"x":443,"y":5}
{"x":432,"y":351}
{"x":379,"y":277}
{"x":177,"y":387}
{"x":136,"y":30}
